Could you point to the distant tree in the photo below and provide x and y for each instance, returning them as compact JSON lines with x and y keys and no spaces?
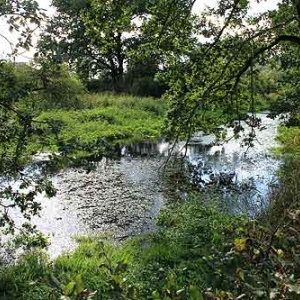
{"x":99,"y":38}
{"x":288,"y":86}
{"x":140,"y":77}
{"x":59,"y":87}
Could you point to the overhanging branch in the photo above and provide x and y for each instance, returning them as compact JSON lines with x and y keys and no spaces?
{"x":279,"y":39}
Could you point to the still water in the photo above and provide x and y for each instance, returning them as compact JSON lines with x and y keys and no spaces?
{"x":123,"y":197}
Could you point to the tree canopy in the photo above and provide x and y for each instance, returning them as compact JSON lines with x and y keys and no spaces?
{"x":23,"y":18}
{"x":101,"y":38}
{"x":212,"y":74}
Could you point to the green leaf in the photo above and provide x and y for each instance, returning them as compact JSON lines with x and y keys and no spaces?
{"x":79,"y":284}
{"x":69,"y":288}
{"x":240,"y":244}
{"x":156,"y":295}
{"x":194,"y":293}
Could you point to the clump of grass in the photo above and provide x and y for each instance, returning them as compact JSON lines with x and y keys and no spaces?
{"x":285,"y":197}
{"x":289,"y":137}
{"x":105,"y":100}
{"x":116,"y":118}
{"x":18,"y":281}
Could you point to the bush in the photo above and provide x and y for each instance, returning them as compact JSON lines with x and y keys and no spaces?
{"x":63,"y":90}
{"x":146,"y":87}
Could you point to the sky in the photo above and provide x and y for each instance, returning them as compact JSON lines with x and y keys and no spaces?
{"x":5,"y":48}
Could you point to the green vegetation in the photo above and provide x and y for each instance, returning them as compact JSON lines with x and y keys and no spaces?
{"x":290,"y":138}
{"x":162,"y":263}
{"x":119,"y":119}
{"x":101,"y":39}
{"x":198,"y":252}
{"x":46,"y":108}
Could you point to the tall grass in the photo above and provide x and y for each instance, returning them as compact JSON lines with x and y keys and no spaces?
{"x":104,"y":100}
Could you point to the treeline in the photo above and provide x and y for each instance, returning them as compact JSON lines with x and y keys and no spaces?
{"x":138,"y":80}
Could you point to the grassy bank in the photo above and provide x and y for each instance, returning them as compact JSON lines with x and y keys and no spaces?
{"x":173,"y":263}
{"x":116,"y":119}
{"x":289,"y":137}
{"x":109,"y":119}
{"x":197,"y":253}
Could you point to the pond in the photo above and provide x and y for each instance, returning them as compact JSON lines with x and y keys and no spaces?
{"x":123,"y":197}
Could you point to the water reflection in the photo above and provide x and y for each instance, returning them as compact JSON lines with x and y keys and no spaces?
{"x":146,"y":149}
{"x":124,"y":196}
{"x":242,"y":173}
